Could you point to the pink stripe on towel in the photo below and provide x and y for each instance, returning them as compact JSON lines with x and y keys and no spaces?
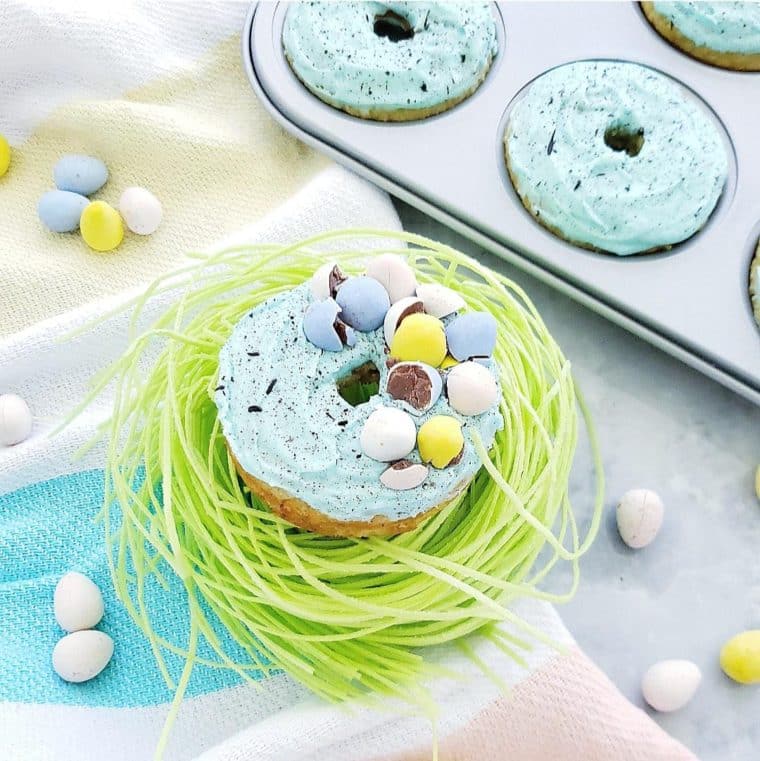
{"x":567,"y":710}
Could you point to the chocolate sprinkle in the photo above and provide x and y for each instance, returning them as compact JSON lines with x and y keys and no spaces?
{"x":254,"y":408}
{"x":271,"y":386}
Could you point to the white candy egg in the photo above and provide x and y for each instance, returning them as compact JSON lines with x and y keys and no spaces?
{"x":77,"y":602}
{"x":439,"y":300}
{"x":388,"y":434}
{"x":141,"y":210}
{"x":394,"y":274}
{"x":404,"y":475}
{"x":471,"y":388}
{"x":81,"y":656}
{"x":324,"y":281}
{"x":639,"y":517}
{"x":394,"y":316}
{"x":670,"y":685}
{"x":15,"y":420}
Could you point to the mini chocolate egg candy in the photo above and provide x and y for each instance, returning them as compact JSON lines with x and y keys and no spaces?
{"x":471,"y":389}
{"x":363,"y":302}
{"x":415,"y":383}
{"x":639,"y":517}
{"x":81,"y":656}
{"x":80,"y":174}
{"x":403,"y":475}
{"x":670,"y":685}
{"x":471,"y":335}
{"x":388,"y":434}
{"x":15,"y":420}
{"x":325,"y":281}
{"x":5,"y":155}
{"x":60,"y":210}
{"x":101,"y":226}
{"x":322,"y":327}
{"x":439,"y":300}
{"x":419,"y":338}
{"x":399,"y":311}
{"x":740,"y":657}
{"x":448,"y":362}
{"x":77,"y":602}
{"x":440,"y":441}
{"x":141,"y":210}
{"x":394,"y":274}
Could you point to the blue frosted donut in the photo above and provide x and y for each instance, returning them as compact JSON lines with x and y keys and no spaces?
{"x":614,"y":157}
{"x":390,"y":61}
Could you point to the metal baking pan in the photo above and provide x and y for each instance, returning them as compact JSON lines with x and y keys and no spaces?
{"x":691,"y":301}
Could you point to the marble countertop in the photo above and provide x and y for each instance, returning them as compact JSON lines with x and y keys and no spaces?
{"x":666,"y":427}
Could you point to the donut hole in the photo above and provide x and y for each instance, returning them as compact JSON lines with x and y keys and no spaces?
{"x":393,"y":26}
{"x":360,"y":385}
{"x":624,"y":137}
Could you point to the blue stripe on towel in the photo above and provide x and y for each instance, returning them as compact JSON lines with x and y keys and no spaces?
{"x":45,"y":530}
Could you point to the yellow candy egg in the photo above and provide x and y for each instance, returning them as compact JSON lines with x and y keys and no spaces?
{"x":419,"y":338}
{"x":5,"y":155}
{"x":449,"y":361}
{"x":101,"y":226}
{"x":740,"y":657}
{"x":440,"y":440}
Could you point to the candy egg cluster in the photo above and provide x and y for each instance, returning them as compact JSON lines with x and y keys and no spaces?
{"x":434,"y":355}
{"x":68,"y":208}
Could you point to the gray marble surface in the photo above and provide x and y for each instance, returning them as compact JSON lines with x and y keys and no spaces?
{"x":662,"y":426}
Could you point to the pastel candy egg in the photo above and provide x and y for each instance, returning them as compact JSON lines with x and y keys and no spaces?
{"x":325,"y":281}
{"x":439,"y":300}
{"x":398,"y":312}
{"x":639,"y":517}
{"x":322,"y":327}
{"x":80,"y":174}
{"x":5,"y":155}
{"x":60,"y":210}
{"x":471,"y":335}
{"x":419,"y":338}
{"x":440,"y":441}
{"x":416,"y":384}
{"x":740,"y":657}
{"x":471,"y":388}
{"x":141,"y":210}
{"x":101,"y":226}
{"x":77,"y":602}
{"x":15,"y":420}
{"x":403,"y":475}
{"x":363,"y":302}
{"x":448,"y":362}
{"x":388,"y":434}
{"x":394,"y":274}
{"x":82,"y":655}
{"x":670,"y":685}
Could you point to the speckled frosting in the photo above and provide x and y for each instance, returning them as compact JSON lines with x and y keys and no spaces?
{"x":605,"y":199}
{"x":333,"y":49}
{"x":726,"y":27}
{"x":287,"y":425}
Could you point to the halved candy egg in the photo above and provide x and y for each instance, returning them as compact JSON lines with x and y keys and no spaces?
{"x":472,"y":335}
{"x":471,"y":388}
{"x":325,"y":281}
{"x":398,"y":312}
{"x":419,"y":338}
{"x":403,"y":475}
{"x":439,"y":300}
{"x":415,"y":383}
{"x":322,"y":327}
{"x":363,"y":302}
{"x":388,"y":434}
{"x":394,"y":274}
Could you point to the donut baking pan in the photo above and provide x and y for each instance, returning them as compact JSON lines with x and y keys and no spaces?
{"x":691,"y":301}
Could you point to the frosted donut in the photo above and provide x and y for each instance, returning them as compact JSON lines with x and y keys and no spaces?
{"x":725,"y":34}
{"x":614,"y":157}
{"x":301,"y":447}
{"x":392,"y":61}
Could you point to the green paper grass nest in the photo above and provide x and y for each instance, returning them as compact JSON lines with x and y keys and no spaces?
{"x":348,"y":618}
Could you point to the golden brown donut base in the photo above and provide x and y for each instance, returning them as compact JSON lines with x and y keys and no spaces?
{"x":399,"y":114}
{"x":302,"y":515}
{"x":734,"y":61}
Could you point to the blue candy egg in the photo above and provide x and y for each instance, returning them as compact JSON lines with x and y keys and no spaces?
{"x":363,"y":302}
{"x":59,"y":210}
{"x":472,"y":334}
{"x":321,"y":326}
{"x":80,"y":174}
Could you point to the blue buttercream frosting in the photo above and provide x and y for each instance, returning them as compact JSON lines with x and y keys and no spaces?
{"x":287,"y":425}
{"x":335,"y":51}
{"x":728,"y":27}
{"x":569,"y":168}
